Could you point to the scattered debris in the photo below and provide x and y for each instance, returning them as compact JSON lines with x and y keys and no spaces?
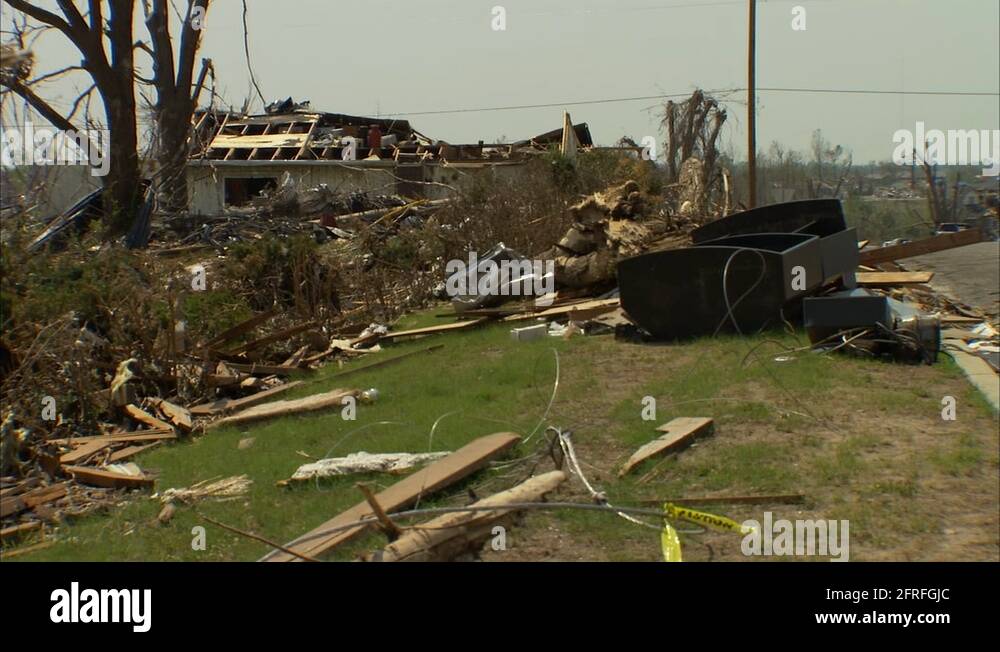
{"x":361,"y":462}
{"x":678,"y":433}
{"x":466,"y":460}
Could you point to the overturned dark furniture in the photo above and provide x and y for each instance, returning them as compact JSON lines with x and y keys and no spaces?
{"x":745,"y":272}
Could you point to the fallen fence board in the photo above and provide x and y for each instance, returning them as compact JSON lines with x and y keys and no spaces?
{"x":679,"y":433}
{"x":450,"y":535}
{"x":920,"y":247}
{"x":883,"y":279}
{"x":326,"y":400}
{"x":231,"y":404}
{"x":463,"y":462}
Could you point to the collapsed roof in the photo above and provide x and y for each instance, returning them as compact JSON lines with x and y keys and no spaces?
{"x":302,"y":134}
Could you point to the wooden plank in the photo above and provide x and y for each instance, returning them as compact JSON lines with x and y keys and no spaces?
{"x":921,"y":247}
{"x":436,"y":476}
{"x":21,"y":487}
{"x":679,"y":433}
{"x":145,"y":435}
{"x":130,"y":451}
{"x":888,"y":279}
{"x":15,"y":504}
{"x":16,"y":531}
{"x":80,"y":453}
{"x":231,"y":404}
{"x":103,"y":478}
{"x":577,"y":311}
{"x":431,"y":330}
{"x":274,"y":409}
{"x":142,"y":416}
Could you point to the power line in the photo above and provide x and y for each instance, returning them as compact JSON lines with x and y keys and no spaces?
{"x":612,"y":100}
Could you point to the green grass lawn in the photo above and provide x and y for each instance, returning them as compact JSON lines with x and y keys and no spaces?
{"x":862,"y":439}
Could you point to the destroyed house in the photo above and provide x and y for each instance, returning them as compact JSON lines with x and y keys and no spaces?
{"x":235,"y":158}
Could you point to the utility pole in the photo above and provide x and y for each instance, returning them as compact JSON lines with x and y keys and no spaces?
{"x":752,"y":104}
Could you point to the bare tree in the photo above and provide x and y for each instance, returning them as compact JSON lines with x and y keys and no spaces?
{"x":103,"y":34}
{"x":692,"y":131}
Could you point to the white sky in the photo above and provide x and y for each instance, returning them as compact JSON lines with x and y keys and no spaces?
{"x":377,"y":57}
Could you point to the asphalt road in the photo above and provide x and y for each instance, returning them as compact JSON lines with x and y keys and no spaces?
{"x":970,"y":274}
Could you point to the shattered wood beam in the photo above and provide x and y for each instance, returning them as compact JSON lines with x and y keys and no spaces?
{"x":920,"y":247}
{"x":331,"y":399}
{"x":109,"y":479}
{"x":460,"y":464}
{"x":678,"y":433}
{"x":449,"y":536}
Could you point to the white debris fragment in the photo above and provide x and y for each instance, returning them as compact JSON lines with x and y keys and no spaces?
{"x":362,"y":462}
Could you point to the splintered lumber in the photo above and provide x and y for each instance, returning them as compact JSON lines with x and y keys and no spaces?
{"x":231,"y":404}
{"x":240,"y":329}
{"x":678,"y":433}
{"x":888,"y":279}
{"x":442,"y":473}
{"x":142,"y":416}
{"x":178,"y":416}
{"x":80,"y":453}
{"x":431,"y":330}
{"x":450,"y":535}
{"x":104,"y":478}
{"x":921,"y":247}
{"x":29,"y":500}
{"x":333,"y":398}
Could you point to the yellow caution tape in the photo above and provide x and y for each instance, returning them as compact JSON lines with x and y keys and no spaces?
{"x":720,"y":523}
{"x":671,"y":543}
